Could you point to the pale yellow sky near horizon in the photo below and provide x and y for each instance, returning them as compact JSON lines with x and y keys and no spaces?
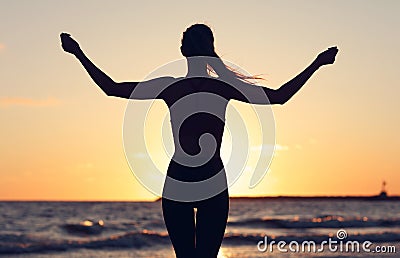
{"x":61,"y":137}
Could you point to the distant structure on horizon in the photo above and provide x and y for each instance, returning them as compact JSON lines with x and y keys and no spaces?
{"x":383,"y":193}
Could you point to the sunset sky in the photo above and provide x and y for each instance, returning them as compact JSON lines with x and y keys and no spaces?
{"x":61,"y":137}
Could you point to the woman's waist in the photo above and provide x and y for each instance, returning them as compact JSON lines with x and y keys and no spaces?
{"x":187,"y":171}
{"x":199,"y":160}
{"x":199,"y":154}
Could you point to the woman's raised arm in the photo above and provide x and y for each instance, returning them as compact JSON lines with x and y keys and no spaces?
{"x":253,"y":94}
{"x":150,"y":89}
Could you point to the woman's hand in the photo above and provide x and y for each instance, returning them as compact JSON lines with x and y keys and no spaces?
{"x":69,"y":44}
{"x":327,"y":57}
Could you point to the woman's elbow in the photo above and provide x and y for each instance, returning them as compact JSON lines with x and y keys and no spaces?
{"x":282,"y":101}
{"x":119,"y":93}
{"x":109,"y":92}
{"x":278,"y":98}
{"x":115,"y":93}
{"x":110,"y":89}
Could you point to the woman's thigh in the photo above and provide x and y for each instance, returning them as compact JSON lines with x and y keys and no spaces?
{"x":211,"y":219}
{"x":179,"y":220}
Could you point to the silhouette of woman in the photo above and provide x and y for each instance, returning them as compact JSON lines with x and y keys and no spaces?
{"x":197,"y":131}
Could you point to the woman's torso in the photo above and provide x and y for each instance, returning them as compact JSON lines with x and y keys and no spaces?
{"x":197,"y":109}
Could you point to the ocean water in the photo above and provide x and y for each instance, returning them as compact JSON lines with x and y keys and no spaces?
{"x":136,"y":229}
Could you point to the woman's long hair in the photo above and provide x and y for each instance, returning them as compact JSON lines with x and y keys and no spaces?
{"x":198,"y":40}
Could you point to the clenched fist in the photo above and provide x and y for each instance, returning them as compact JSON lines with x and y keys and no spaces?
{"x":327,"y":57}
{"x":69,"y":44}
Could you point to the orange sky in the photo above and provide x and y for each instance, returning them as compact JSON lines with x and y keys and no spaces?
{"x":61,"y":137}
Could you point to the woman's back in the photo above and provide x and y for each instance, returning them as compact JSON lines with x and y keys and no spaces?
{"x":197,"y":109}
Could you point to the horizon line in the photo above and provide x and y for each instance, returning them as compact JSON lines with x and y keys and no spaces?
{"x":231,"y":197}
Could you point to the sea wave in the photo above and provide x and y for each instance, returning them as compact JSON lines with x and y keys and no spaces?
{"x":326,"y":221}
{"x":28,"y":243}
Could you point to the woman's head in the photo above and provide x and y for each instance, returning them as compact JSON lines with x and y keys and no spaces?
{"x":198,"y":40}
